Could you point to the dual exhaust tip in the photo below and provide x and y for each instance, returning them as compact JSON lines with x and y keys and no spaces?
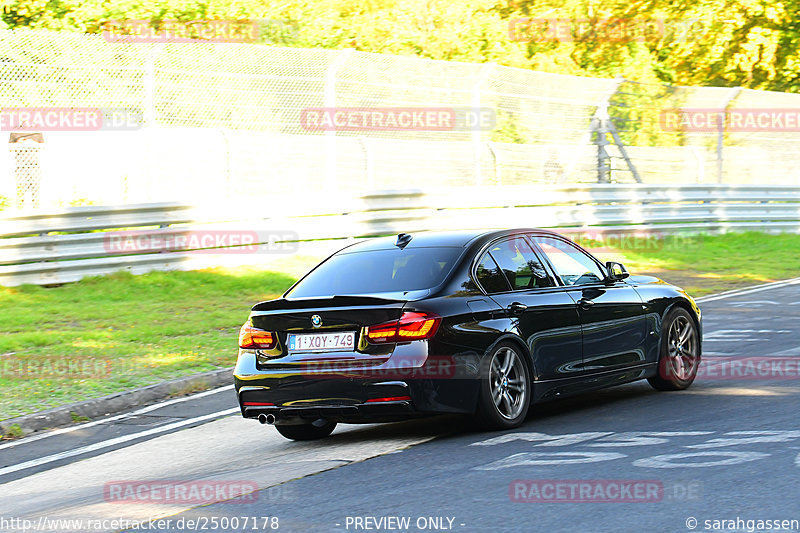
{"x":270,"y":419}
{"x":266,"y":419}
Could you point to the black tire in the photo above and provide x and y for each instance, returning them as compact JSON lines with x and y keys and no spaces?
{"x":513,"y":387}
{"x":306,"y":431}
{"x":678,"y":361}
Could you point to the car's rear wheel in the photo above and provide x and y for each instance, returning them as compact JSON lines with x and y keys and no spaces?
{"x":679,"y":357}
{"x":505,"y":388}
{"x":306,"y":431}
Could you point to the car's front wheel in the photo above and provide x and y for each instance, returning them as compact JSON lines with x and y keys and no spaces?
{"x":505,"y":388}
{"x":306,"y":431}
{"x":679,"y":358}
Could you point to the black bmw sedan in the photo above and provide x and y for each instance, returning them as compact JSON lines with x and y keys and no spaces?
{"x":479,"y":323}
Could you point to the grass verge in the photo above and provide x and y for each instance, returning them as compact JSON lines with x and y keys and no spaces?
{"x":705,"y":264}
{"x":117,"y":332}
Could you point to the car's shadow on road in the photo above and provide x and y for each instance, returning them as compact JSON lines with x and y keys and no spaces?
{"x":447,"y":426}
{"x":419,"y":428}
{"x":631,"y":401}
{"x":622,"y":396}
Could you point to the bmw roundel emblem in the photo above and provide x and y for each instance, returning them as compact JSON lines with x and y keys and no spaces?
{"x":316,"y":321}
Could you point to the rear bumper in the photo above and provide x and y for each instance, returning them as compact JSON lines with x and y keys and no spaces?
{"x":359,"y":413}
{"x":357,"y":395}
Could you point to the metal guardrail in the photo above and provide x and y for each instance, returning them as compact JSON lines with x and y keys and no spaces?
{"x":64,"y":246}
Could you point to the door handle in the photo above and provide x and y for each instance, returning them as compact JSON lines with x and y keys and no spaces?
{"x":585,"y":303}
{"x":517,"y":308}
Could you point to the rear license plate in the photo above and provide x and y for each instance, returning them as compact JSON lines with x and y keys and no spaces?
{"x":322,"y":342}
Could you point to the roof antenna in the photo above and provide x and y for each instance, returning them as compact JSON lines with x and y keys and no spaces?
{"x":402,"y":240}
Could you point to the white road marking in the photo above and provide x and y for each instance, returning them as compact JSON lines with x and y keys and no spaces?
{"x":740,"y":334}
{"x":638,"y":438}
{"x":643,"y":438}
{"x":143,"y":410}
{"x":789,"y":351}
{"x":113,"y":442}
{"x":748,"y":290}
{"x":666,"y":461}
{"x":748,"y":437}
{"x":601,"y":438}
{"x":550,"y":459}
{"x":549,"y":440}
{"x":756,"y":303}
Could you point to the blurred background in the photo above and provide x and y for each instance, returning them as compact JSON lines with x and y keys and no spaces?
{"x":222,"y":120}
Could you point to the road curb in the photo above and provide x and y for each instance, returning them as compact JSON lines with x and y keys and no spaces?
{"x":747,"y":290}
{"x":118,"y":402}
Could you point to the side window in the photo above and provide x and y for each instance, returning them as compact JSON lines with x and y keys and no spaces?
{"x":572,"y":265}
{"x":520,"y":264}
{"x":489,"y":275}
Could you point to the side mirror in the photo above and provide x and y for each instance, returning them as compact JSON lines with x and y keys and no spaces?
{"x":616,"y":271}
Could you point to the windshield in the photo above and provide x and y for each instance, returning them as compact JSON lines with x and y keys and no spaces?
{"x":378,"y":271}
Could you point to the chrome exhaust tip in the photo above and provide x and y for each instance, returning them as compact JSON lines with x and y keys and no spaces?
{"x":266,"y":419}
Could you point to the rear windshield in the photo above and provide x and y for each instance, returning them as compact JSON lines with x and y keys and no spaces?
{"x":376,"y":271}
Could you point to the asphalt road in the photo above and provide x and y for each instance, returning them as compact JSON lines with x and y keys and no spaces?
{"x":718,"y":457}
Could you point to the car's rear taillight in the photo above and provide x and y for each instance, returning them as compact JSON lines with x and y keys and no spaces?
{"x":410,"y":327}
{"x":255,"y":338}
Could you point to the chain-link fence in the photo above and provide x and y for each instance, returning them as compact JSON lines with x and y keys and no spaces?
{"x":224,"y":121}
{"x":27,"y":173}
{"x":761,"y":147}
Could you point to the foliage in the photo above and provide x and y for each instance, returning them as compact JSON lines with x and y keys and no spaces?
{"x":718,"y":42}
{"x":14,"y":431}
